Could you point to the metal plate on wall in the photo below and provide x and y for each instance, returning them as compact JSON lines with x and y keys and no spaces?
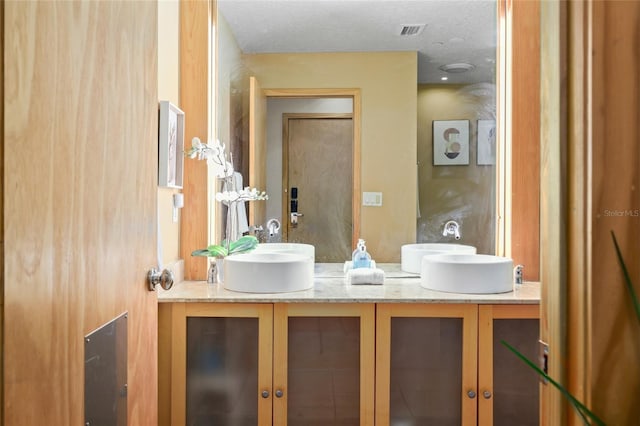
{"x":105,"y":374}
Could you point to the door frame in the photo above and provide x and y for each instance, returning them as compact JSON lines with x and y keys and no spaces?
{"x":355,"y":96}
{"x":285,"y":156}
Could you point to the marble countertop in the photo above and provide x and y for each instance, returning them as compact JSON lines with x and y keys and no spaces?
{"x":330,"y":287}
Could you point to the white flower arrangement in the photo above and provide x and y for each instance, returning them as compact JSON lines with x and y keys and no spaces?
{"x":222,"y":167}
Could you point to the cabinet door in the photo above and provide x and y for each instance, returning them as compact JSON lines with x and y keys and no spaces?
{"x":426,"y":364}
{"x":323,"y":371}
{"x":221,"y":364}
{"x":508,"y":389}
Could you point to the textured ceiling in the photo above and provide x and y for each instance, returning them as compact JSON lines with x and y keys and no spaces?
{"x":455,"y":32}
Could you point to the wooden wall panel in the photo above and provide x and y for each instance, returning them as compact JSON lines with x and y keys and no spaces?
{"x":525,"y":139}
{"x":599,"y":184}
{"x":257,"y":149}
{"x":552,"y":204}
{"x":614,"y":205}
{"x":196,"y":20}
{"x":80,"y":141}
{"x":577,"y":216}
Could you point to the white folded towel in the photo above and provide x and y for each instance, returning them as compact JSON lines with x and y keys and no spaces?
{"x":240,"y":225}
{"x":373,"y":276}
{"x":349,"y":265}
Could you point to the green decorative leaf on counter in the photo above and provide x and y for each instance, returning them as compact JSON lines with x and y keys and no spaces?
{"x":244,"y":244}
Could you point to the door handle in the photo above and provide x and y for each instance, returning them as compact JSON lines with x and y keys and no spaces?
{"x":164,"y":278}
{"x":294,"y":218}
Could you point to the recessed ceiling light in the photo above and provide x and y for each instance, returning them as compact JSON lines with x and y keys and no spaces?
{"x":444,"y":78}
{"x":457,"y":68}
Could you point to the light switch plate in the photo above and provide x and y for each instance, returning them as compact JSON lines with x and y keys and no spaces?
{"x":372,"y":199}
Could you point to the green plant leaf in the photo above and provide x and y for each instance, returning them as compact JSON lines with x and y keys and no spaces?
{"x":579,"y":407}
{"x":217,"y":250}
{"x":246,"y":243}
{"x":627,"y":277}
{"x":211,"y":251}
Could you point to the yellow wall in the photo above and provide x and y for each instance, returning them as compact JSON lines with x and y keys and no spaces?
{"x":388,"y":87}
{"x":168,"y":90}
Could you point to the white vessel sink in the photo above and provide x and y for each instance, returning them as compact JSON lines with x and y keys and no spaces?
{"x":265,"y":272}
{"x":462,"y":273}
{"x":411,"y":254}
{"x":294,"y":248}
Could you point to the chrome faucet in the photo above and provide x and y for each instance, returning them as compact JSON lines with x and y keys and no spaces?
{"x":273,"y":227}
{"x":452,"y":228}
{"x":258,"y":232}
{"x":517,"y":274}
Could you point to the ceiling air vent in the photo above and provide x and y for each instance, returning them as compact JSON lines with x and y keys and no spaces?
{"x":411,"y":29}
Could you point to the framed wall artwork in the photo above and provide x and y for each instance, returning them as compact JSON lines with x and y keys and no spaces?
{"x":450,"y":142}
{"x":486,"y":142}
{"x":171,"y":146}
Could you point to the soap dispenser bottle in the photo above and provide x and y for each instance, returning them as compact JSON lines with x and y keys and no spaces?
{"x":357,"y":249}
{"x":361,"y":259}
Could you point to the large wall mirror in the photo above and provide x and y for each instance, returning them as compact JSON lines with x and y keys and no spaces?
{"x":381,"y":117}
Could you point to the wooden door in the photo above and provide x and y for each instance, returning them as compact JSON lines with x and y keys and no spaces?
{"x":80,"y":178}
{"x":317,"y":162}
{"x":257,"y":149}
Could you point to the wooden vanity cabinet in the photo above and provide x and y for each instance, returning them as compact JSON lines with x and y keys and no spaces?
{"x":215,"y":363}
{"x":263,"y":364}
{"x":324,"y":364}
{"x":426,"y":364}
{"x":444,"y":365}
{"x":508,"y":390}
{"x":346,"y":364}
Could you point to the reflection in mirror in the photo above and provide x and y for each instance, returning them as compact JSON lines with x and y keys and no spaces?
{"x":449,"y":189}
{"x":309,"y":168}
{"x":428,"y":99}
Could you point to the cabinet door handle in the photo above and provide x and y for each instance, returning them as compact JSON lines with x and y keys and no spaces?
{"x":265,"y":394}
{"x":279,"y":393}
{"x":486,"y":394}
{"x":471,"y":394}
